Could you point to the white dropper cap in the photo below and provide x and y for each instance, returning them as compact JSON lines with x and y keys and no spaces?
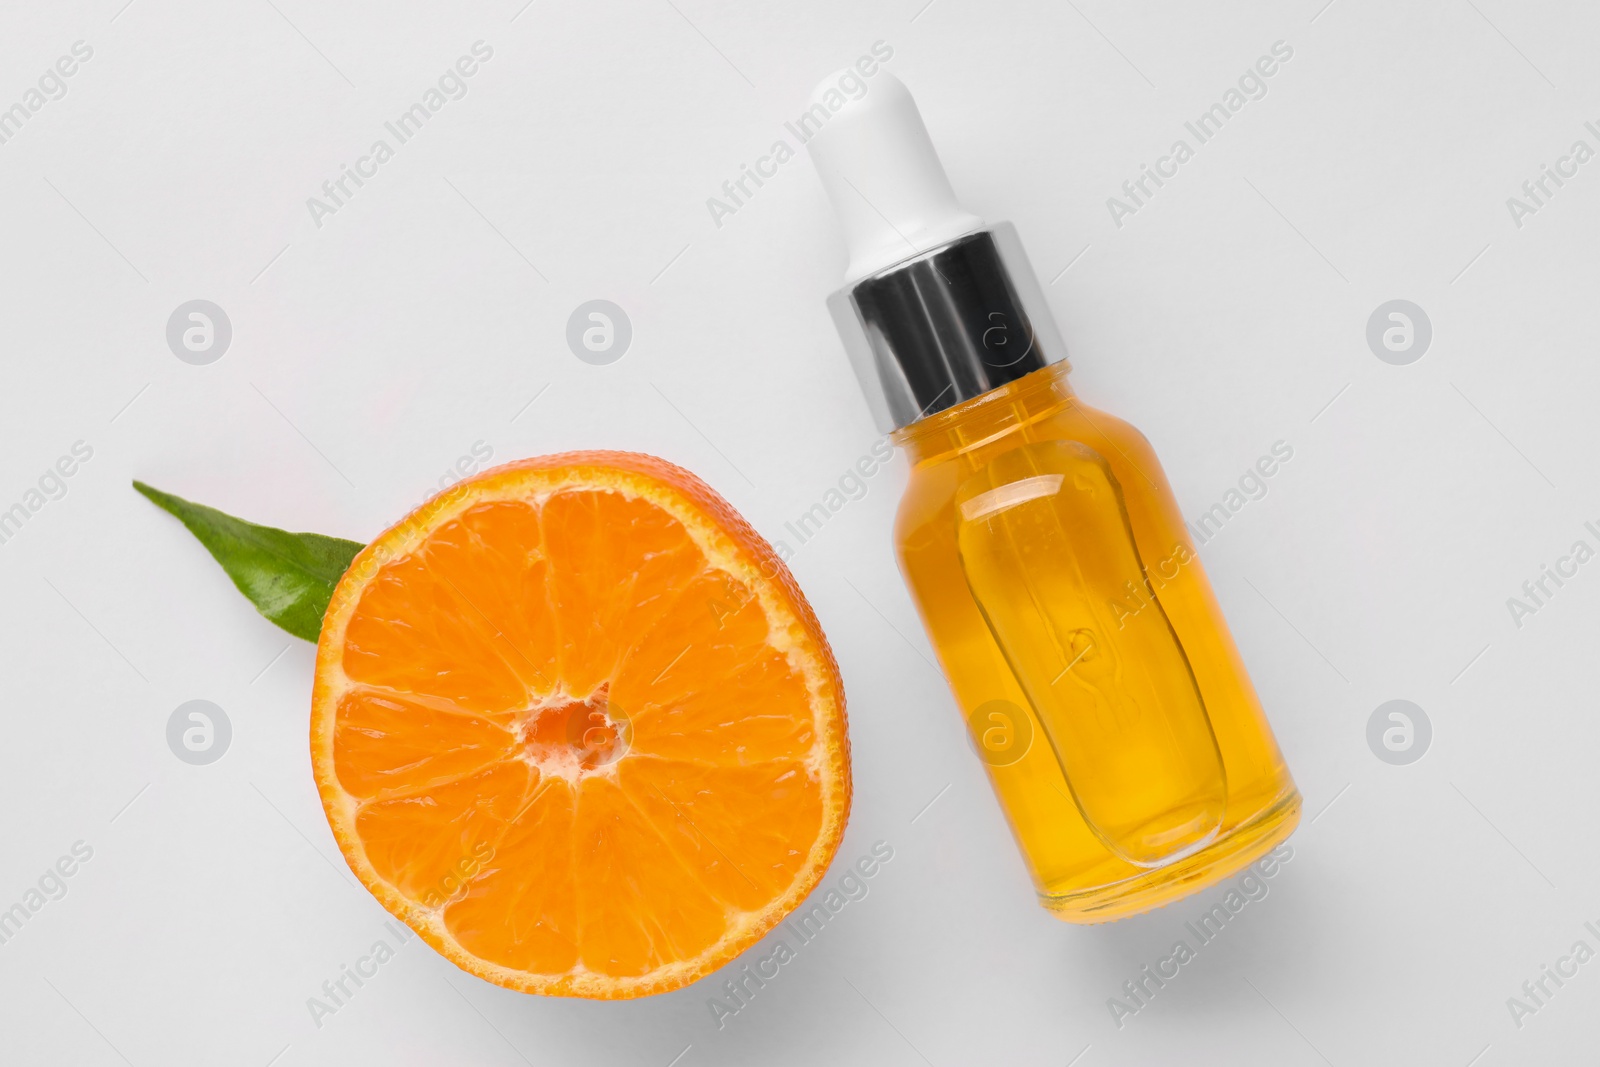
{"x":883,"y":175}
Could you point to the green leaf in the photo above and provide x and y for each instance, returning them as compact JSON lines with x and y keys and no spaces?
{"x":289,"y":577}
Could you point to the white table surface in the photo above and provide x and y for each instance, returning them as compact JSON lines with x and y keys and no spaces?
{"x":1227,"y":314}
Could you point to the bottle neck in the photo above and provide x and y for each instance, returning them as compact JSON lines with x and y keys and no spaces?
{"x":946,"y":326}
{"x":989,"y":423}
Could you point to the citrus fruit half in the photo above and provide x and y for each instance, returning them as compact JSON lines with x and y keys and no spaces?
{"x":575,"y":724}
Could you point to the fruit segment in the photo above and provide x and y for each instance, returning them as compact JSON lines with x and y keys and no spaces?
{"x":389,"y":742}
{"x":520,"y":922}
{"x":704,"y":811}
{"x":425,"y":843}
{"x":414,"y":633}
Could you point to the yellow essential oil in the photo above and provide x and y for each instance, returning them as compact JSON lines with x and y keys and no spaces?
{"x":1140,"y":766}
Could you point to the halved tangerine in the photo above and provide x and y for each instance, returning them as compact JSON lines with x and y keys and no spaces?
{"x":575,"y":724}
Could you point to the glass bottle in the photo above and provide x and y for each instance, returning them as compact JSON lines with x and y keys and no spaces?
{"x":1044,"y":549}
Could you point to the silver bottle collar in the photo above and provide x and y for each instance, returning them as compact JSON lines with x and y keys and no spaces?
{"x":946,"y":325}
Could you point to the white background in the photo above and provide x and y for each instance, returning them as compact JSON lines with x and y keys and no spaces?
{"x":372,"y":352}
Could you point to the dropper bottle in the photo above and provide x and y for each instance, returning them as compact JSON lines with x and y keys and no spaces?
{"x":1043,"y":547}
